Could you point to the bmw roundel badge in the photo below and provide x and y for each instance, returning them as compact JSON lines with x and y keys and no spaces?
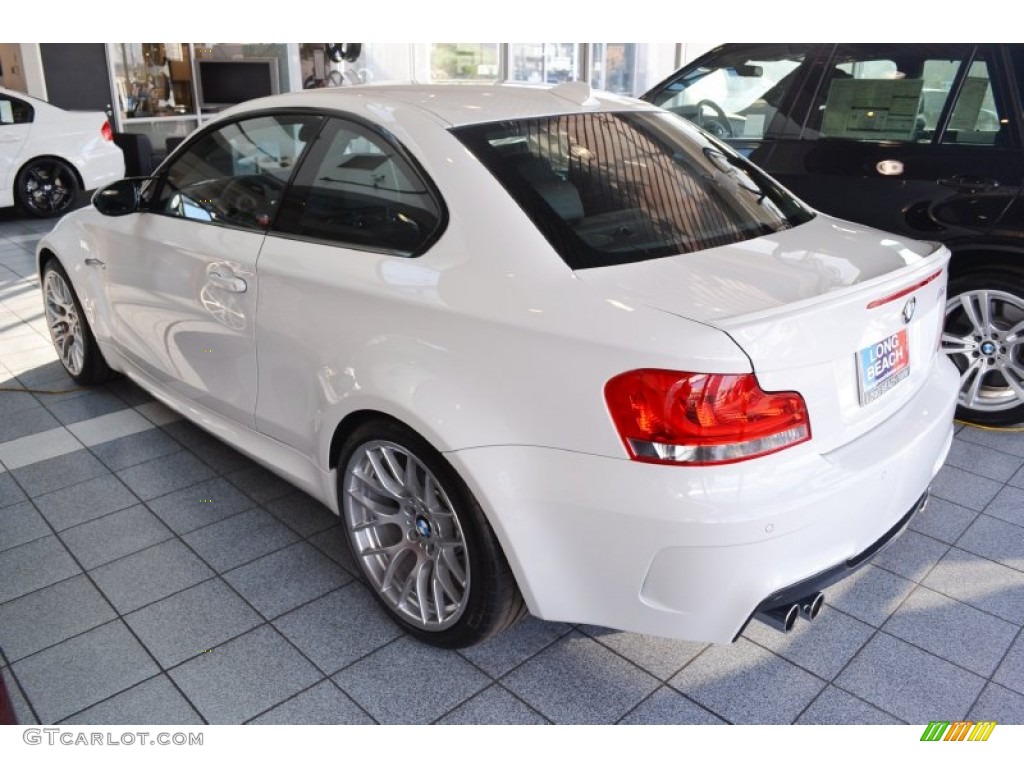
{"x":908,"y":310}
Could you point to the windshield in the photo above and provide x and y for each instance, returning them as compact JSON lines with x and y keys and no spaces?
{"x":615,"y":187}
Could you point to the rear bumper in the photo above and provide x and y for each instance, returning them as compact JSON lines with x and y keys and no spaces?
{"x":102,"y":165}
{"x":691,"y":553}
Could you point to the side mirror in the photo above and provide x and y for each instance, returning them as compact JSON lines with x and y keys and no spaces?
{"x":119,"y":198}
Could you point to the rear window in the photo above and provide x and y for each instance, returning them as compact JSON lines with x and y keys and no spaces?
{"x":615,"y":187}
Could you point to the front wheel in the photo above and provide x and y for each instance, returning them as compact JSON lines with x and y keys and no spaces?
{"x":421,"y":540}
{"x":69,"y":330}
{"x":984,"y":337}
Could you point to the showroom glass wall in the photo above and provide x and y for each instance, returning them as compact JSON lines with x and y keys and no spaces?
{"x":158,"y":86}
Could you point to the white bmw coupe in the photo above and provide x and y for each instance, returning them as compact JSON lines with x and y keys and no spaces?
{"x":540,"y":348}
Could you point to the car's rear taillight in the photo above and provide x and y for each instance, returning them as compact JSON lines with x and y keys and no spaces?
{"x":107,"y":131}
{"x":671,"y":417}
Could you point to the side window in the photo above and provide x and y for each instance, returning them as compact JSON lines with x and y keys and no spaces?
{"x":14,"y":111}
{"x":976,"y":118}
{"x":357,"y":189}
{"x":237,"y":173}
{"x":737,"y":95}
{"x":882,"y":92}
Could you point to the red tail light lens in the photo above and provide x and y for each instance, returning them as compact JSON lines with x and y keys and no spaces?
{"x":671,"y":417}
{"x":107,"y":131}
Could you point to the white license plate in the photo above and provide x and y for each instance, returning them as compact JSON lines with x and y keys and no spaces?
{"x":882,"y":365}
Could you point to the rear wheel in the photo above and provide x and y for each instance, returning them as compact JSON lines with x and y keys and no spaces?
{"x":72,"y":337}
{"x":47,"y":187}
{"x":421,"y":540}
{"x":984,"y":337}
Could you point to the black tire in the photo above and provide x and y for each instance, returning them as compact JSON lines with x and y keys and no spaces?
{"x":990,"y":358}
{"x":84,"y":364}
{"x":409,"y":537}
{"x":47,"y":187}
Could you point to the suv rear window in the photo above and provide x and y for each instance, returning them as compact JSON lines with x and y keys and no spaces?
{"x":616,"y":187}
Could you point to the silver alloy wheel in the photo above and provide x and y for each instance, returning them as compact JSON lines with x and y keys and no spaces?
{"x":984,"y":336}
{"x":64,"y":322}
{"x":406,"y":535}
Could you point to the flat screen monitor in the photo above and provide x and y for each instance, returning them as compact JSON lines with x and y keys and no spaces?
{"x":223,"y":83}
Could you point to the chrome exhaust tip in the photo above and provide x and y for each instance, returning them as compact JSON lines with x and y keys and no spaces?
{"x":782,"y":618}
{"x":811,"y":606}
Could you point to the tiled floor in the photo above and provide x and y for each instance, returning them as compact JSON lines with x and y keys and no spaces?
{"x":150,"y":574}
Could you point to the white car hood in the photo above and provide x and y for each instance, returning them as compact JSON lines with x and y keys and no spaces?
{"x":790,"y":267}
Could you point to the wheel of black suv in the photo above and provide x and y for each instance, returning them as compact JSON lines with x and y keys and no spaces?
{"x":421,"y":540}
{"x":72,"y":337}
{"x":47,"y":187}
{"x":984,"y":337}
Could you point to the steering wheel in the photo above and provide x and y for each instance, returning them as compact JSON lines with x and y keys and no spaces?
{"x":719,"y":125}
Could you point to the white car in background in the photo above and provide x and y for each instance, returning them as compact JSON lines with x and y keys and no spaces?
{"x":540,"y":349}
{"x":48,"y":155}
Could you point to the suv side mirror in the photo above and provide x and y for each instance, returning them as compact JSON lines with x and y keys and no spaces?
{"x":119,"y":198}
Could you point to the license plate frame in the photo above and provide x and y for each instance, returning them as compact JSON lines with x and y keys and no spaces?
{"x":882,"y":365}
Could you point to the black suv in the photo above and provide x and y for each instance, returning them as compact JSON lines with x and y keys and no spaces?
{"x":920,"y":139}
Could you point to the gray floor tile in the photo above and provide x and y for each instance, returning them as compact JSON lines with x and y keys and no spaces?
{"x":985,"y":584}
{"x":493,"y":706}
{"x":667,"y":706}
{"x":81,"y":671}
{"x":996,"y":540}
{"x":909,"y":683}
{"x":240,"y":539}
{"x":323,"y":704}
{"x":162,"y":475}
{"x":984,"y":461}
{"x":135,"y":449}
{"x":1011,"y":670}
{"x":410,"y":683}
{"x":259,"y":483}
{"x":943,"y":520}
{"x":952,"y":630}
{"x":837,"y":707}
{"x":1008,"y":505}
{"x":50,"y":616}
{"x":212,"y":451}
{"x":1017,"y":481}
{"x":244,"y":677}
{"x":114,"y":536}
{"x":578,"y":680}
{"x":85,"y":501}
{"x":657,"y":655}
{"x":1007,"y":442}
{"x":19,"y":524}
{"x":822,"y":646}
{"x":964,"y":488}
{"x":911,"y":556}
{"x":287,"y":578}
{"x":192,"y":622}
{"x":12,"y":402}
{"x":999,"y":704}
{"x":10,"y":493}
{"x":33,"y":566}
{"x":871,"y":594}
{"x":200,"y":504}
{"x":339,"y":628}
{"x":150,"y":575}
{"x":26,"y":421}
{"x":514,"y":646}
{"x":22,"y":711}
{"x":47,"y":376}
{"x":129,"y":391}
{"x":153,"y":702}
{"x":302,"y":513}
{"x":60,"y":472}
{"x":333,"y":544}
{"x":743,"y":683}
{"x":88,"y":406}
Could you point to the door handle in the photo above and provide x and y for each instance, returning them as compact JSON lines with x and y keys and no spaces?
{"x":965,"y":182}
{"x":92,"y":262}
{"x":228,"y":281}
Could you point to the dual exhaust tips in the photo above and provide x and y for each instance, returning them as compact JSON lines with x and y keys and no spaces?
{"x":784,"y":617}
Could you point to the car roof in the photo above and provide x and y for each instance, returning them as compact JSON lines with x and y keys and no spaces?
{"x":455,"y":104}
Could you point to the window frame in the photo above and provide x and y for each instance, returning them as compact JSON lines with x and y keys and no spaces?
{"x":15,"y":100}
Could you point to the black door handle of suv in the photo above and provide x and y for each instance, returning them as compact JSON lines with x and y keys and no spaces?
{"x":967,"y":183}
